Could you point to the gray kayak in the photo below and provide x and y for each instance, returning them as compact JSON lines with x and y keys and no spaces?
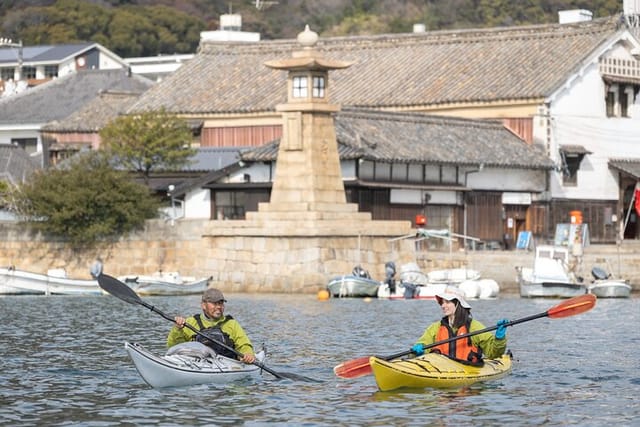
{"x":189,"y":363}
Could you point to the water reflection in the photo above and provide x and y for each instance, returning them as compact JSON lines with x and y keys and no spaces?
{"x":63,"y":362}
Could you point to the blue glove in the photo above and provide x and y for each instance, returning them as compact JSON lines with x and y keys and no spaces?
{"x":501,"y":332}
{"x":418,"y":349}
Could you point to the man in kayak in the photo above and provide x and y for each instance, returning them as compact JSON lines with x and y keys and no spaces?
{"x":217,"y":326}
{"x":457,"y":320}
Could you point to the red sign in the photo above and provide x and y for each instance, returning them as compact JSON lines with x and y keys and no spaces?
{"x":637,"y":202}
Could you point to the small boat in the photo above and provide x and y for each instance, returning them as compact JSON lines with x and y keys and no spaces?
{"x":189,"y":363}
{"x":550,"y":276}
{"x":166,"y":283}
{"x":357,"y":284}
{"x":55,"y":282}
{"x":605,"y":286}
{"x":436,"y":371}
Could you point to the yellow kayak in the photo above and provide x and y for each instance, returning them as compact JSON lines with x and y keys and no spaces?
{"x":435,"y":370}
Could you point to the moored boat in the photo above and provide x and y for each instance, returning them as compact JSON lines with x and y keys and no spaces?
{"x":610,"y":288}
{"x":166,"y":283}
{"x":55,"y":282}
{"x":605,"y":286}
{"x":357,"y":284}
{"x":188,"y":364}
{"x":436,"y":371}
{"x":550,"y":276}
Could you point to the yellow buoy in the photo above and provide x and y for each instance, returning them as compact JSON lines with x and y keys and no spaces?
{"x":323,"y":295}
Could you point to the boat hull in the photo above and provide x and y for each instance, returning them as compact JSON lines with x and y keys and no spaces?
{"x":353,"y":286}
{"x":19,"y":282}
{"x":180,"y":370}
{"x":152,"y":285}
{"x":434,"y":370}
{"x":610,"y":289}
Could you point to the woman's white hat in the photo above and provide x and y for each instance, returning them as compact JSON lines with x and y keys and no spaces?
{"x":450,"y":293}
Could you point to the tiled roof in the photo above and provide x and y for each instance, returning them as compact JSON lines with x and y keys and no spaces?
{"x":394,"y":70}
{"x":420,"y":138}
{"x":95,"y":114}
{"x":60,"y":97}
{"x":15,"y":164}
{"x":43,"y":53}
{"x":629,"y":166}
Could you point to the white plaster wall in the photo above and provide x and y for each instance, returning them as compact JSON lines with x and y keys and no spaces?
{"x":578,"y":117}
{"x":198,"y":204}
{"x":23,"y":131}
{"x":493,"y":179}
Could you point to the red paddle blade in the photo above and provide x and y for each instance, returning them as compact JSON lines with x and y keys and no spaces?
{"x":573,"y":306}
{"x":353,"y":368}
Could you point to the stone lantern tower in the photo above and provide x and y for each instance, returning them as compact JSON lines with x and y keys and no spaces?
{"x":308,"y":177}
{"x":307,"y":232}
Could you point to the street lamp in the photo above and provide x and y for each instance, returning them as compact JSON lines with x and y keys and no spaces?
{"x":10,"y":43}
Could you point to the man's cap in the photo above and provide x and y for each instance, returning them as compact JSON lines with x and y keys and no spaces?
{"x":450,"y":293}
{"x":213,"y":295}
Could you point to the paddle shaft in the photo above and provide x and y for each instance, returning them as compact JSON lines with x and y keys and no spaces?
{"x":467,"y":335}
{"x":236,"y":352}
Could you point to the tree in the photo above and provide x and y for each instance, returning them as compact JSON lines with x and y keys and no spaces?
{"x":149,"y":141}
{"x":87,"y":202}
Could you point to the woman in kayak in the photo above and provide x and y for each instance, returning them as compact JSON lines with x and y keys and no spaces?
{"x":220,"y":328}
{"x":457,"y":321}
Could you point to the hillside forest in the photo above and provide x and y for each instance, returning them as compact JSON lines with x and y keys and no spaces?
{"x":134,"y":28}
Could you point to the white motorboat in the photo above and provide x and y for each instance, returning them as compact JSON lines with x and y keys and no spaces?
{"x":55,"y":282}
{"x":605,"y":286}
{"x":166,"y":283}
{"x":356,"y":284}
{"x":550,"y":276}
{"x":189,"y":363}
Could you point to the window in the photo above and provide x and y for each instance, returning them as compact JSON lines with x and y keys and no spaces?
{"x":300,"y":87}
{"x":50,"y":71}
{"x":318,"y":87}
{"x":618,"y":99}
{"x":30,"y":145}
{"x":28,"y":72}
{"x":229,"y":205}
{"x":7,"y":73}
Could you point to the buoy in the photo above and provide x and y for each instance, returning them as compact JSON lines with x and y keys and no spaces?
{"x":323,"y":295}
{"x":366,"y":299}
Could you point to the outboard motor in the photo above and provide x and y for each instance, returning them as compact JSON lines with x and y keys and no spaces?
{"x":599,"y":273}
{"x":410,"y":290}
{"x":390,"y":276}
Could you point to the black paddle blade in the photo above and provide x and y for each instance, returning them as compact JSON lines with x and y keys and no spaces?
{"x":118,"y":289}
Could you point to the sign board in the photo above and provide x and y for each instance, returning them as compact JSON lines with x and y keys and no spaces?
{"x":571,"y":234}
{"x":524,"y":240}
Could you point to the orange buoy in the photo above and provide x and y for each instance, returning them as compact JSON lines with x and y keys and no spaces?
{"x":323,"y":295}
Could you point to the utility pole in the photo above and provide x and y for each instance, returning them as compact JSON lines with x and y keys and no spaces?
{"x":10,"y":43}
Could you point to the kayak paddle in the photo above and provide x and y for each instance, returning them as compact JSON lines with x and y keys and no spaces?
{"x":120,"y":290}
{"x":355,"y":368}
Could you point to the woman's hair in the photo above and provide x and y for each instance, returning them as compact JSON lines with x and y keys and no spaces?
{"x":462,"y":316}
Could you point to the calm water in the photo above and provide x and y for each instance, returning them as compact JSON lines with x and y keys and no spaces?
{"x":63,"y":363}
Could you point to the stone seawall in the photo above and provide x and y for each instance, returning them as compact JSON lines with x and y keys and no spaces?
{"x":182,"y":248}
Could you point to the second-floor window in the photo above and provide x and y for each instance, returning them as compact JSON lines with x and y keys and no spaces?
{"x":619,"y":98}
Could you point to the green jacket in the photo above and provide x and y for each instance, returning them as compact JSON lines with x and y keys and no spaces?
{"x":492,"y":348}
{"x":231,"y":327}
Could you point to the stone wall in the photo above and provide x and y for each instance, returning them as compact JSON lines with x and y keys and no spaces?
{"x":273,"y":264}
